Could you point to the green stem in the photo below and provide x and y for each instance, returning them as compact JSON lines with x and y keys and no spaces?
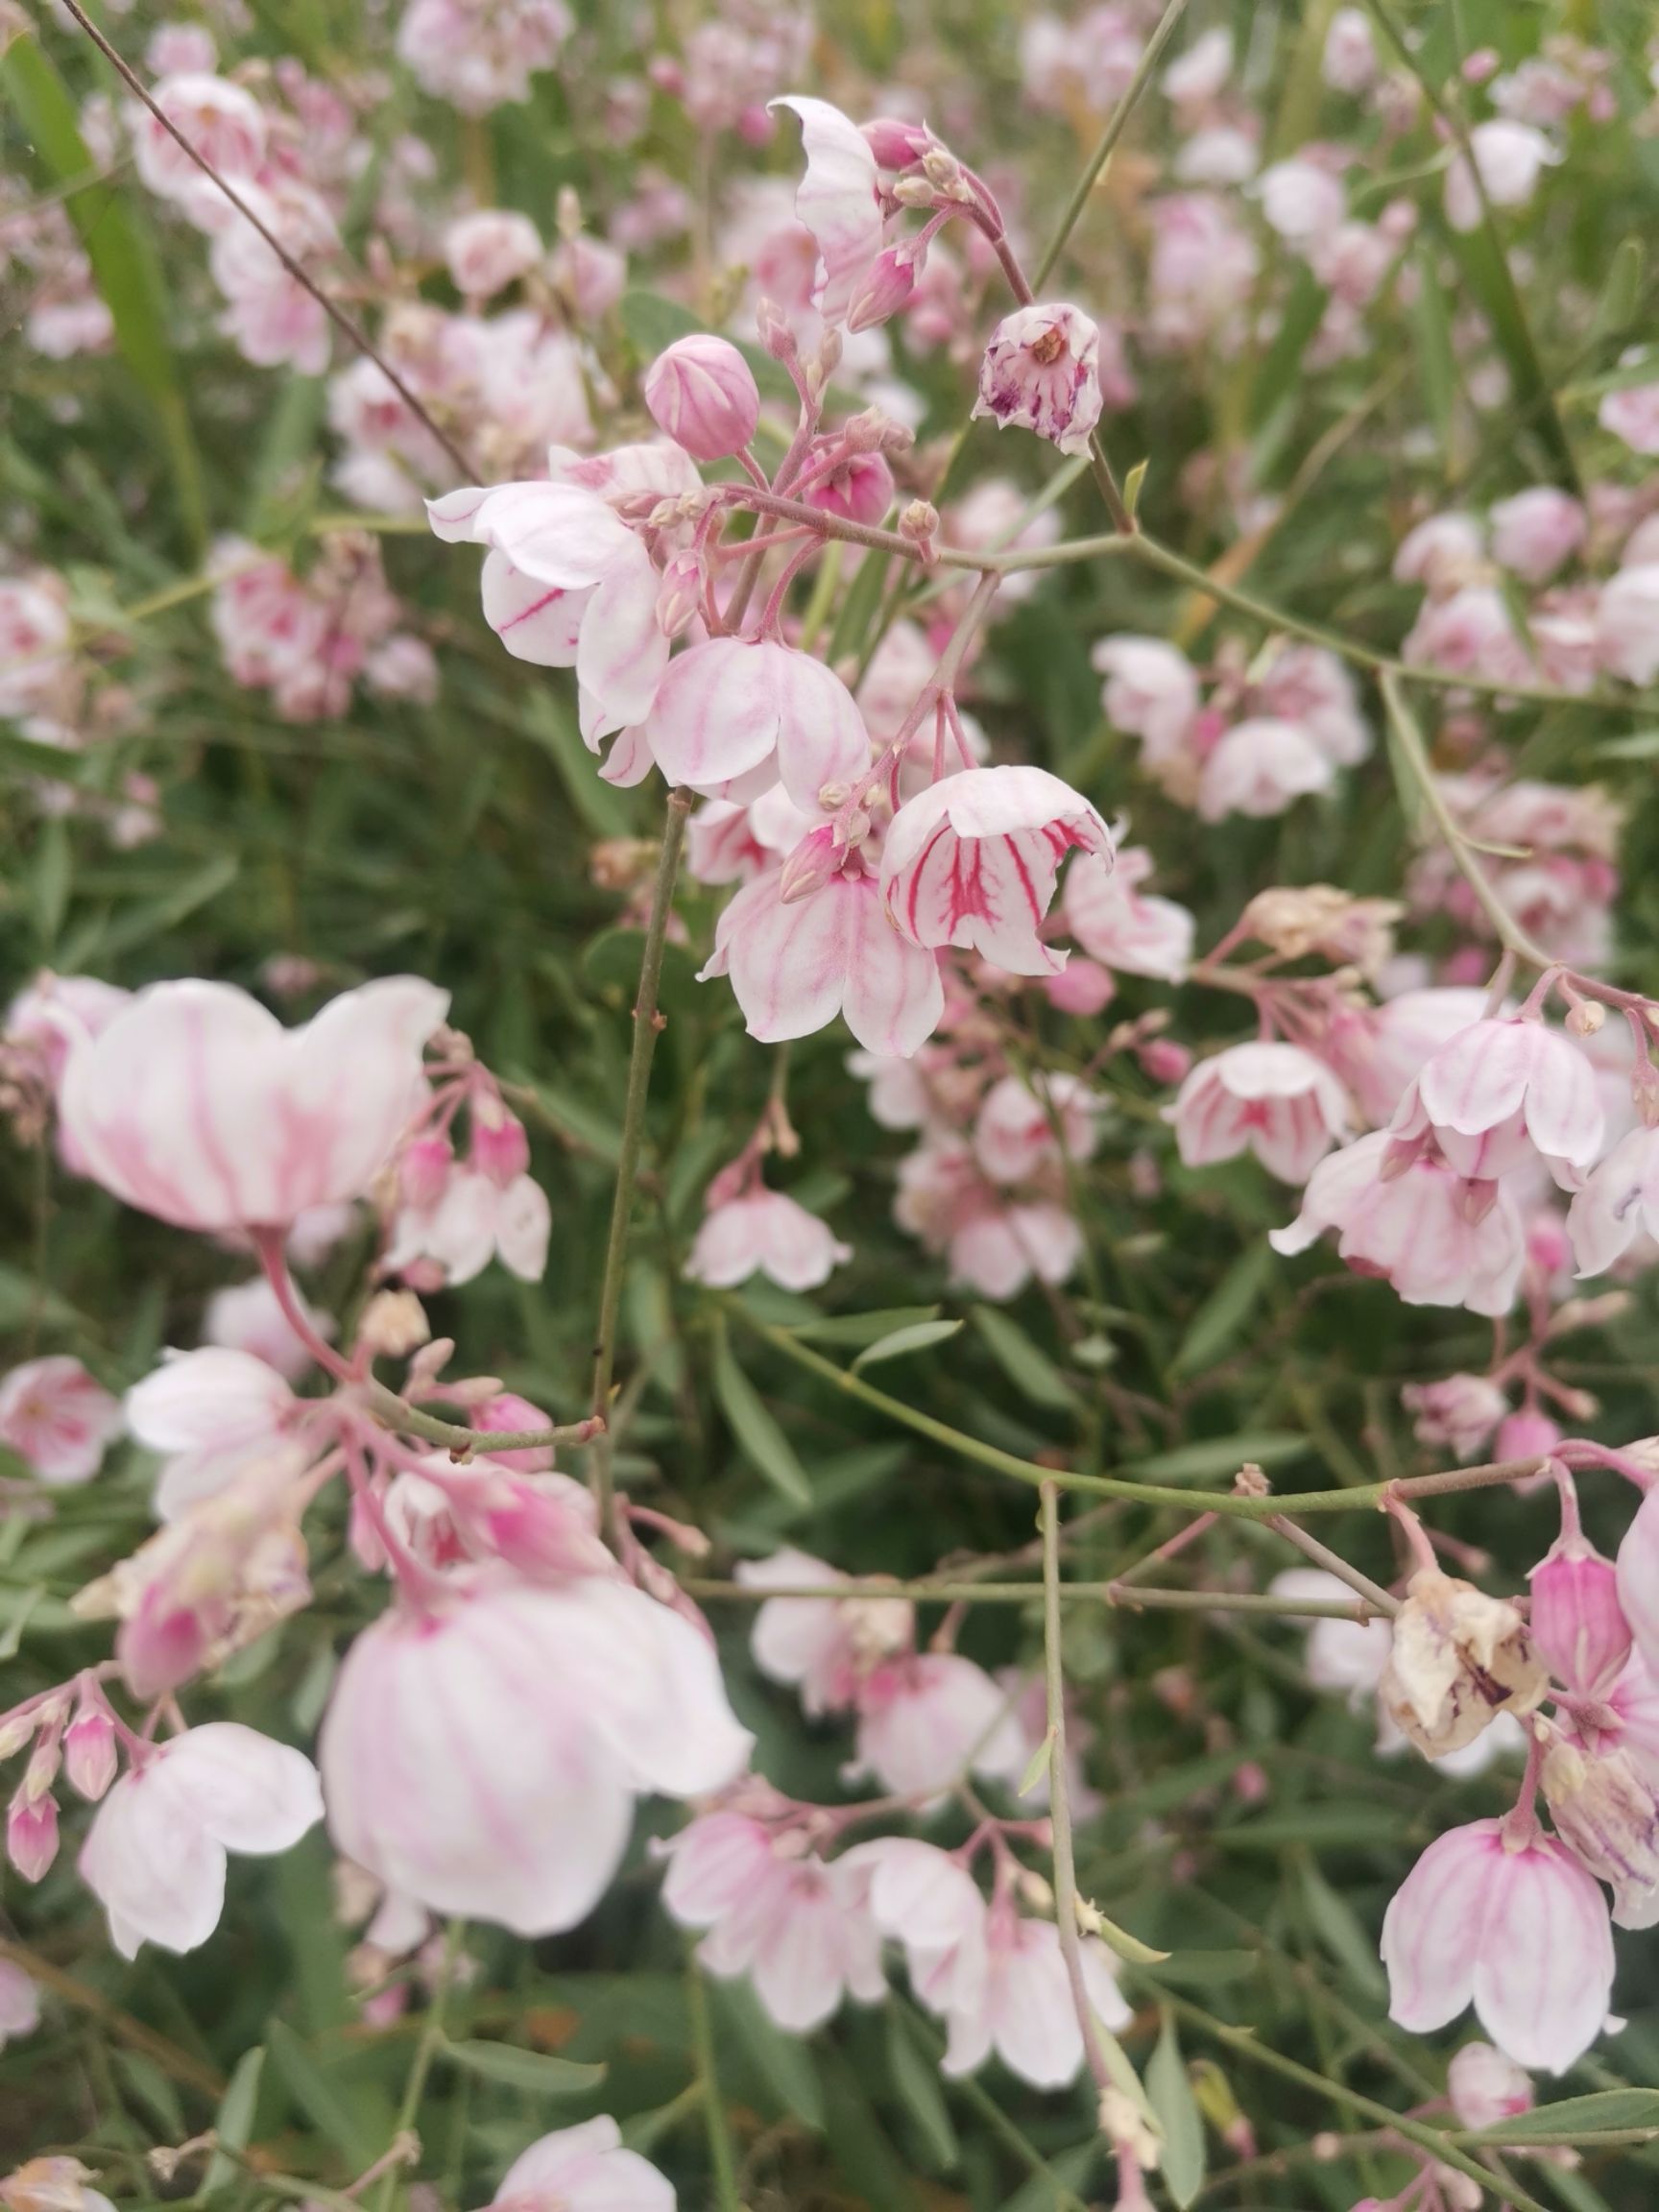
{"x":425,"y":2052}
{"x":720,"y":2152}
{"x":1131,"y":1598}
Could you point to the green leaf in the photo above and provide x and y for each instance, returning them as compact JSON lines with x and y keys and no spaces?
{"x":784,"y":2062}
{"x":1617,"y":301}
{"x":1486,"y":270}
{"x":916,"y":1337}
{"x":915,"y":2077}
{"x":1606,"y":2111}
{"x":1219,"y":1455}
{"x":1339,"y":1928}
{"x":150,"y":2087}
{"x":1178,"y":2116}
{"x":602,"y":809}
{"x":1226,"y":1309}
{"x":316,"y":2099}
{"x":125,"y":265}
{"x":763,"y":1442}
{"x":1436,"y":362}
{"x":537,"y":2073}
{"x":1026,"y":1365}
{"x":1640,"y":745}
{"x":234,"y":2124}
{"x":154,"y":917}
{"x":844,"y":1330}
{"x":859,"y":609}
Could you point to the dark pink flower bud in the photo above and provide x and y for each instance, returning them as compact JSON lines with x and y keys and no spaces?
{"x":895,"y":143}
{"x":424,"y":1172}
{"x":701,"y":391}
{"x":858,"y":488}
{"x":809,"y":867}
{"x":500,"y":1149}
{"x":1577,"y":1622}
{"x":32,"y":1833}
{"x":507,"y":1415}
{"x":1082,"y":987}
{"x":886,"y":286}
{"x":89,"y":1750}
{"x":161,"y":1646}
{"x":1164,"y":1060}
{"x":1527,"y":1435}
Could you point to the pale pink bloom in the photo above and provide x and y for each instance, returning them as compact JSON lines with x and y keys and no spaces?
{"x":1261,"y":767}
{"x":19,"y":2004}
{"x":766,"y":1232}
{"x":475,"y":1221}
{"x":1022,"y":1129}
{"x":998,"y":1249}
{"x":922,"y":1898}
{"x":583,"y":2169}
{"x":270,"y":316}
{"x":567,"y":585}
{"x":1633,"y":413}
{"x":482,"y":1753}
{"x":837,"y":200}
{"x":1441,"y":553}
{"x":1457,"y":1413}
{"x":34,"y":629}
{"x":1470,"y":632}
{"x":1534,"y":532}
{"x":489,"y":250}
{"x":404,"y":667}
{"x":1632,"y":1705}
{"x":1151,"y":690}
{"x":1203,"y":265}
{"x":1347,"y":1656}
{"x":1577,"y":1621}
{"x":1302,"y":201}
{"x":824,"y":1646}
{"x":1377,"y":1050}
{"x":703,"y":394}
{"x":973,"y":862}
{"x":196,"y":1105}
{"x":994,"y":517}
{"x":1123,"y":927}
{"x":726,"y":843}
{"x":56,"y":1419}
{"x":734,"y":715}
{"x":1638,"y":1580}
{"x":155,"y":1855}
{"x":1627,"y":623}
{"x":590,"y":275}
{"x":1274,"y":1101}
{"x":542,"y":1525}
{"x":1305,"y":685}
{"x":1042,"y":373}
{"x":225,"y":124}
{"x":1414,"y":1226}
{"x":797,"y":1927}
{"x":1349,"y":63}
{"x":923,"y":1718}
{"x":794,"y":967}
{"x":1520,"y":1930}
{"x":481,"y":54}
{"x":1201,"y":73}
{"x":1221,"y":152}
{"x":1352,"y":261}
{"x":1510,"y":158}
{"x":248,"y":1317}
{"x":210,"y":1414}
{"x":1619,"y":1201}
{"x":1486,"y":2087}
{"x":1499,"y":1094}
{"x":1003,"y":1989}
{"x":1093,"y":59}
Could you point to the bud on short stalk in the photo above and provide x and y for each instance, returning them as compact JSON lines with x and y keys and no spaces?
{"x":679,"y":596}
{"x":89,"y":1750}
{"x":1577,"y":1622}
{"x":895,"y":144}
{"x":887,"y":286}
{"x":500,"y":1149}
{"x":701,"y":391}
{"x":810,"y":865}
{"x":32,"y":1833}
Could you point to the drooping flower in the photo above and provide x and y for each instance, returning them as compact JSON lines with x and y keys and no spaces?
{"x":1259,"y":767}
{"x":250,"y":1317}
{"x":923,"y":1720}
{"x":155,"y":1856}
{"x":1519,"y":1928}
{"x":57,"y":1418}
{"x":1024,"y":1128}
{"x":1619,"y":1200}
{"x":824,"y":1646}
{"x":764,"y":1232}
{"x":473,"y":1221}
{"x":583,"y":2169}
{"x":489,"y":248}
{"x":1577,"y":1621}
{"x":1499,"y":1094}
{"x":838,"y":201}
{"x":1042,"y":373}
{"x":1459,"y":1412}
{"x":1534,"y":532}
{"x":1605,"y":1812}
{"x":1123,"y":926}
{"x":1271,"y":1099}
{"x":735,"y":715}
{"x":210,"y":1414}
{"x":1508,"y":159}
{"x":1485,"y":2086}
{"x":196,"y":1105}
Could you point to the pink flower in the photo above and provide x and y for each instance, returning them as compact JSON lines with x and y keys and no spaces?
{"x":1123,"y":926}
{"x":1350,"y":59}
{"x":566,"y":584}
{"x":1415,"y":1227}
{"x":211,"y":1414}
{"x":1577,"y":1622}
{"x":1259,"y":767}
{"x":582,"y":2169}
{"x":481,"y":54}
{"x":1443,"y":552}
{"x":475,"y":1221}
{"x":491,"y":248}
{"x":56,"y":1419}
{"x":1510,"y":158}
{"x":1274,"y":1101}
{"x":1499,"y":1092}
{"x":196,"y":1105}
{"x":734,"y":715}
{"x":923,"y":1720}
{"x":155,"y":1855}
{"x":1519,"y":1928}
{"x":1459,"y":1413}
{"x":1022,"y":1129}
{"x":1302,"y":201}
{"x":19,"y":2004}
{"x":1620,"y":1199}
{"x":973,"y":862}
{"x":1536,"y":529}
{"x":1348,"y":1656}
{"x":247,"y":1317}
{"x":1377,"y":1050}
{"x":794,"y":967}
{"x":765,"y":1231}
{"x":482,"y":1754}
{"x":826,"y":1646}
{"x":1627,"y":623}
{"x":838,"y":201}
{"x":1485,"y":2087}
{"x":1042,"y":373}
{"x":998,"y":1249}
{"x":703,"y":394}
{"x":1151,"y":690}
{"x":223,"y":123}
{"x":1632,"y":413}
{"x":795,"y":1926}
{"x":1638,"y":1580}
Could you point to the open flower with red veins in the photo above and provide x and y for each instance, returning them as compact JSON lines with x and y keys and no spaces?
{"x":1271,"y":1099}
{"x":765,"y":1233}
{"x":1024,"y":1128}
{"x":210,"y":1414}
{"x":196,"y":1105}
{"x":583,"y":2169}
{"x":735,"y":715}
{"x":473,"y":1221}
{"x":1123,"y":926}
{"x":1516,"y":1927}
{"x":1439,"y":1238}
{"x":796,"y":1924}
{"x":1618,"y":1201}
{"x":795,"y":963}
{"x":1496,"y":1096}
{"x":155,"y":1856}
{"x":484,"y":1748}
{"x":824,"y":1646}
{"x":1042,"y":373}
{"x":566,"y":584}
{"x":973,"y":862}
{"x":838,"y":201}
{"x":57,"y":1419}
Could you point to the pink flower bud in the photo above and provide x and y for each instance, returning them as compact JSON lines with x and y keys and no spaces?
{"x":1527,"y":1435}
{"x":885,"y":287}
{"x":702,"y":393}
{"x":1164,"y":1060}
{"x":161,"y":1646}
{"x":32,"y":1833}
{"x":1082,"y":987}
{"x":1577,"y":1622}
{"x":500,"y":1149}
{"x":773,"y":329}
{"x":680,"y":600}
{"x":1486,"y":2087}
{"x":895,"y":144}
{"x":89,"y":1751}
{"x":424,"y":1172}
{"x":810,"y":865}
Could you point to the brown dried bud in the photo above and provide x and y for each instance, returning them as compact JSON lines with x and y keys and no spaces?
{"x":1459,"y":1658}
{"x":1604,"y":1812}
{"x":394,"y":1324}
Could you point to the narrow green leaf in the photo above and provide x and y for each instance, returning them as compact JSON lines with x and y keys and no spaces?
{"x":915,"y":2076}
{"x":859,"y":609}
{"x":916,"y":1337}
{"x":1486,"y":270}
{"x":1436,"y":362}
{"x":1620,"y":297}
{"x":784,"y":2062}
{"x":1178,"y":2116}
{"x":233,"y":2124}
{"x":1026,"y":1365}
{"x":1566,"y":2121}
{"x":1226,"y":1309}
{"x":149,"y":2086}
{"x":856,"y":1330}
{"x":763,"y":1442}
{"x":21,"y":1606}
{"x":1037,"y":1766}
{"x":50,"y":881}
{"x":316,"y":2099}
{"x":1132,"y":485}
{"x":537,"y":2073}
{"x":1339,"y":1928}
{"x":155,"y":917}
{"x":601,"y":809}
{"x":1219,"y":1455}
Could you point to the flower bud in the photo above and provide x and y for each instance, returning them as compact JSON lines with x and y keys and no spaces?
{"x":1576,"y":1620}
{"x":680,"y":595}
{"x":394,"y":1324}
{"x":1527,"y":1435}
{"x":1605,"y":1812}
{"x":859,"y":488}
{"x":424,"y":1172}
{"x":919,"y":520}
{"x":1458,"y":1658}
{"x":89,"y":1750}
{"x":810,"y":865}
{"x":886,"y":286}
{"x":1486,"y":2087}
{"x":32,"y":1833}
{"x":1164,"y":1060}
{"x":701,"y":391}
{"x":500,"y":1149}
{"x":774,"y":330}
{"x":895,"y":143}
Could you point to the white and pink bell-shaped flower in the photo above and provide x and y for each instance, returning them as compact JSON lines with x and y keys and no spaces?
{"x":1438,"y":1238}
{"x":210,"y":1414}
{"x":155,"y":1856}
{"x":196,"y":1105}
{"x":1347,"y":1656}
{"x":1151,"y":690}
{"x":1042,"y":373}
{"x":489,"y":249}
{"x":1457,"y":1413}
{"x":583,"y":2169}
{"x":973,"y":862}
{"x":838,"y":201}
{"x":998,"y":1250}
{"x":925,"y":1718}
{"x":1618,"y":1201}
{"x":1576,"y":1620}
{"x":1485,"y":2086}
{"x":1500,"y":1092}
{"x":1627,"y":623}
{"x":473,"y":1221}
{"x":57,"y":1419}
{"x":1271,"y":1099}
{"x":734,"y":715}
{"x":1377,"y":1050}
{"x":483,"y":1750}
{"x":765,"y":1233}
{"x":1123,"y":926}
{"x":1024,"y":1128}
{"x":1536,"y":529}
{"x":1262,"y":767}
{"x":1508,"y":159}
{"x":824,"y":1647}
{"x":1517,"y":1927}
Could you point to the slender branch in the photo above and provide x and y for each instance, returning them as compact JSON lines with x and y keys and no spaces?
{"x":336,"y":315}
{"x":421,"y":2065}
{"x":398,"y":1413}
{"x":647,"y":1022}
{"x":182,"y":2065}
{"x":1377,"y":1600}
{"x":1128,"y":1596}
{"x":727,"y":2198}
